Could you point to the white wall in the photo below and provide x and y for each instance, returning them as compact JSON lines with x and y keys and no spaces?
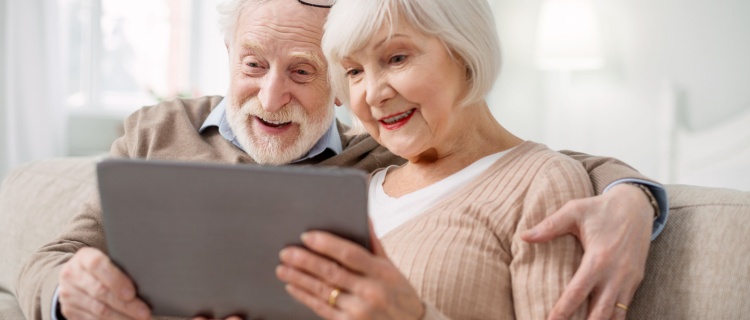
{"x":3,"y":74}
{"x":700,"y":47}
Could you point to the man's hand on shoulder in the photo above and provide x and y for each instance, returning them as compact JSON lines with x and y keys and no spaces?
{"x":230,"y":318}
{"x":92,"y":287}
{"x":615,"y":231}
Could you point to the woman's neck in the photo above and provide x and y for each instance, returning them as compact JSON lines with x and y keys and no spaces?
{"x":476,"y":135}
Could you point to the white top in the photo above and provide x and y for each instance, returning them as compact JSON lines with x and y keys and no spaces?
{"x":387,"y":213}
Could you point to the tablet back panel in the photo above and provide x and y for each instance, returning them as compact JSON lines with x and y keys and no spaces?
{"x":205,"y":238}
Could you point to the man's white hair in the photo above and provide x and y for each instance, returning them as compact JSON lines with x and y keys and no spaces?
{"x":229,"y":14}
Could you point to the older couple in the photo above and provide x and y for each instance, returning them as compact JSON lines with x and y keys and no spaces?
{"x":450,"y":218}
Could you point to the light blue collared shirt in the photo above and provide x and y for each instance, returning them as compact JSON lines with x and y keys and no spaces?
{"x":660,"y":194}
{"x":218,"y":118}
{"x":331,"y":140}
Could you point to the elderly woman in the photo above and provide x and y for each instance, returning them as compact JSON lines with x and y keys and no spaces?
{"x":416,"y":74}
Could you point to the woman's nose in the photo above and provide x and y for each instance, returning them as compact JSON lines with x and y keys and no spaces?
{"x":379,"y":89}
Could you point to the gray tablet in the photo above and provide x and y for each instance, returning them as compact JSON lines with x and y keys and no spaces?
{"x":204,"y":239}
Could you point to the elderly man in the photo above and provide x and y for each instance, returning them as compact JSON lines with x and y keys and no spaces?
{"x":279,"y":110}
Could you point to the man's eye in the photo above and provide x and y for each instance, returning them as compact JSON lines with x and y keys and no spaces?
{"x":303,"y":75}
{"x":253,"y":65}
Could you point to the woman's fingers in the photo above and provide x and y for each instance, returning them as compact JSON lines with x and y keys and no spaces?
{"x":370,"y":285}
{"x":305,"y":282}
{"x":349,"y":254}
{"x":317,"y":267}
{"x":317,"y":305}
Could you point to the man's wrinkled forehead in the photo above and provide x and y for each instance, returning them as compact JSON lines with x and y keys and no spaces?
{"x":283,"y":23}
{"x":284,"y":20}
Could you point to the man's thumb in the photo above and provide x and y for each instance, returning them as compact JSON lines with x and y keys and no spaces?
{"x":559,"y":223}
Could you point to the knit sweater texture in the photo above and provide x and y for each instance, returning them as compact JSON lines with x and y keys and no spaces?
{"x":465,"y":257}
{"x":169,"y":131}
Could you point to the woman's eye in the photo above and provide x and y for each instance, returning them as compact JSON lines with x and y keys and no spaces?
{"x":353,"y":72}
{"x":398,"y":58}
{"x":303,"y":72}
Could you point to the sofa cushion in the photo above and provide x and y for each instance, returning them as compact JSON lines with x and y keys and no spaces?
{"x":36,"y":201}
{"x":9,"y":309}
{"x":699,"y":267}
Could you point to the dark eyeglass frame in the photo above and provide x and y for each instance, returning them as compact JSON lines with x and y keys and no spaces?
{"x":316,"y":5}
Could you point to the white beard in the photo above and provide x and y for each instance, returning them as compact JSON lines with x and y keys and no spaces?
{"x":273,"y":150}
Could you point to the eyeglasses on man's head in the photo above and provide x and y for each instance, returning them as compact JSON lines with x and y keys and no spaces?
{"x":318,"y":3}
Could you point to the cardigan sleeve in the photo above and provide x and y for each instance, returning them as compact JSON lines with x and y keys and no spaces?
{"x":603,"y":171}
{"x":540,"y":272}
{"x":432,"y":313}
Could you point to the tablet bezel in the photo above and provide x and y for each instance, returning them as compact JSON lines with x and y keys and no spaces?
{"x":203,"y":238}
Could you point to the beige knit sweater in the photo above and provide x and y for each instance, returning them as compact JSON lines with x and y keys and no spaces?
{"x":169,"y":131}
{"x":464,"y":256}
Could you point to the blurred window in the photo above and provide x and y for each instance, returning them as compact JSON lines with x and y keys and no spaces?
{"x":121,"y":55}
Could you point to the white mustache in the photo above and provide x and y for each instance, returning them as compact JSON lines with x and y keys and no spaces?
{"x":291,"y":112}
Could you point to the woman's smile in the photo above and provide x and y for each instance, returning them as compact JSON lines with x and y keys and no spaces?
{"x":398,"y":120}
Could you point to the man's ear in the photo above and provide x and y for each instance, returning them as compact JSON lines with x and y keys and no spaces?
{"x":337,"y":102}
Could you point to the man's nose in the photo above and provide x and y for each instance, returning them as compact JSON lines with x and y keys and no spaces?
{"x":274,"y":92}
{"x":379,"y":89}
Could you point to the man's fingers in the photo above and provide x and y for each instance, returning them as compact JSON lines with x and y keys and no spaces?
{"x":134,"y":308}
{"x":98,"y":264}
{"x":562,"y":222}
{"x":619,"y":313}
{"x":575,"y":293}
{"x":76,"y":304}
{"x":71,"y":312}
{"x":93,"y":283}
{"x":602,"y":304}
{"x":625,"y":299}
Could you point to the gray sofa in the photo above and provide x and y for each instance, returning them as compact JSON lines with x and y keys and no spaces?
{"x":699,"y":268}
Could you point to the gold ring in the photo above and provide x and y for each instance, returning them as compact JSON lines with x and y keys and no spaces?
{"x":621,"y":306}
{"x":333,"y":296}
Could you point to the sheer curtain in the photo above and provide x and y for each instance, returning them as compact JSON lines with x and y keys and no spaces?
{"x":32,"y":112}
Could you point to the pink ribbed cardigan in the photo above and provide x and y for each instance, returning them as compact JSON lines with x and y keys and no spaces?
{"x":464,"y":256}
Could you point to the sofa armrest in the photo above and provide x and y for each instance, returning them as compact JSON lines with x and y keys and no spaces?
{"x":699,"y":267}
{"x":36,"y":201}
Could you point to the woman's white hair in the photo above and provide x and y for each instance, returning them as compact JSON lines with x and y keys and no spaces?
{"x":466,"y":28}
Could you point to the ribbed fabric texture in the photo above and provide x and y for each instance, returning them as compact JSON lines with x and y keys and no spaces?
{"x":169,"y":131}
{"x":465,"y":257}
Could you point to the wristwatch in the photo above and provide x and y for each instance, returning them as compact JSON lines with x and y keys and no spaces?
{"x":650,"y":196}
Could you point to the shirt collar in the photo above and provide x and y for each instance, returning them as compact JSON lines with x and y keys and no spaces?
{"x":331,"y":140}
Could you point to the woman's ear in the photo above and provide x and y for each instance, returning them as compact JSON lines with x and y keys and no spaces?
{"x":337,"y":102}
